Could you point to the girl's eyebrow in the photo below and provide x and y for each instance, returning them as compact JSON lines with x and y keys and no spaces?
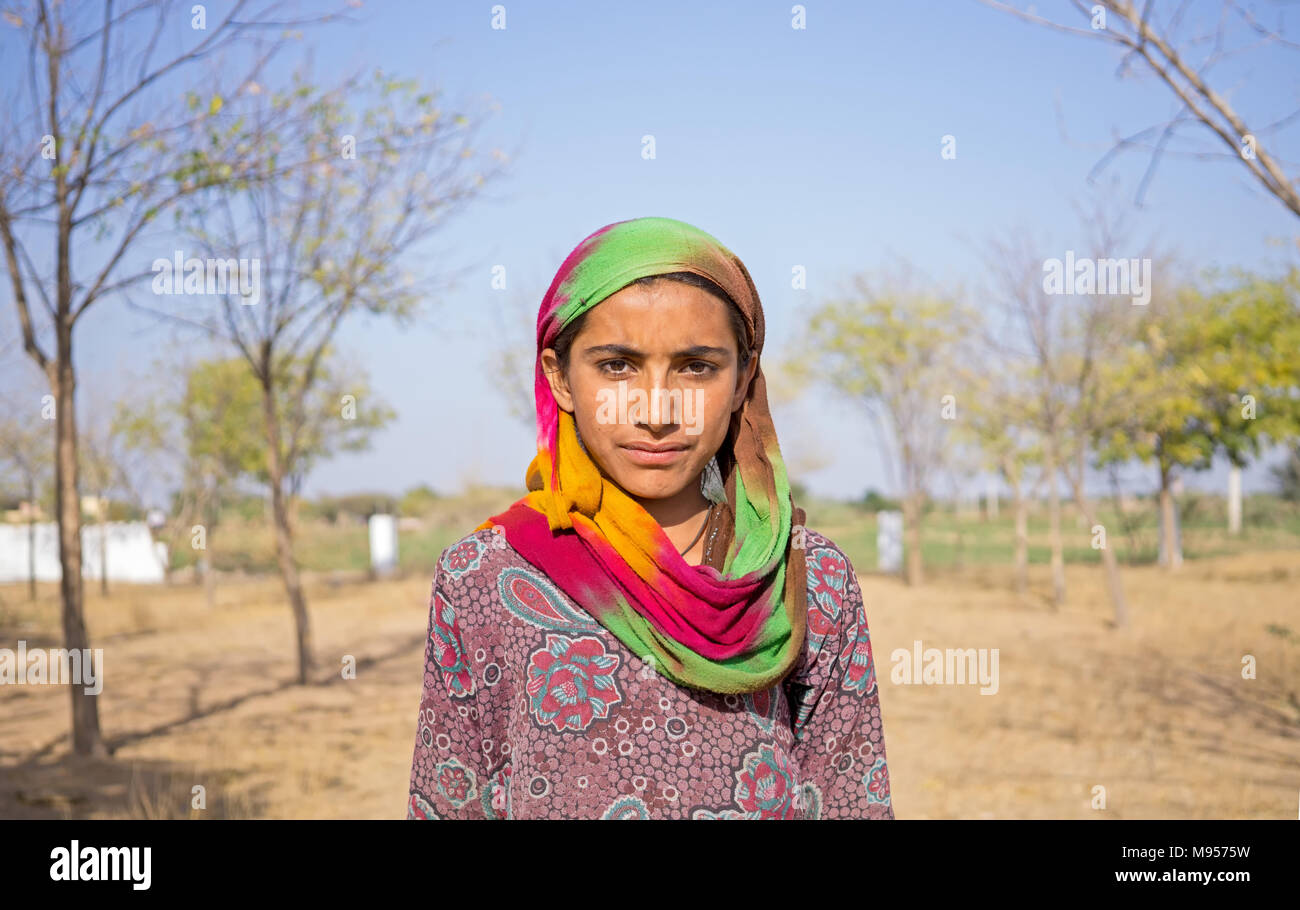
{"x":622,"y":350}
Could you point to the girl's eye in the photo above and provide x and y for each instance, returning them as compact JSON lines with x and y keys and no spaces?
{"x":614,"y":367}
{"x":700,"y":368}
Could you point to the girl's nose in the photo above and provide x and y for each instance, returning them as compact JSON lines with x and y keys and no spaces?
{"x":663,"y":400}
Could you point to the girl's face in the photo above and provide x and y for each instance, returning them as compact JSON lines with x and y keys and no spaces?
{"x":653,"y":378}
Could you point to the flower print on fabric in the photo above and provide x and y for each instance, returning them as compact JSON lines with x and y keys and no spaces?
{"x":464,"y":556}
{"x":859,"y":668}
{"x":496,"y":795}
{"x":447,"y":649}
{"x":456,"y":782}
{"x":766,"y":786}
{"x":629,"y":807}
{"x":535,"y":600}
{"x":812,"y":800}
{"x":418,"y":808}
{"x":571,"y":682}
{"x":708,"y":814}
{"x":876,"y":781}
{"x":559,"y":719}
{"x":826,"y":575}
{"x":802,"y":701}
{"x":762,"y":707}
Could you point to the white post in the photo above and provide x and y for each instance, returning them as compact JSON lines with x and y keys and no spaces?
{"x":383,"y":544}
{"x":889,"y":542}
{"x":1234,"y":500}
{"x":1176,"y":490}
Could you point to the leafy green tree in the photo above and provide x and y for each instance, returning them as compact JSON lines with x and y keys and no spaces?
{"x":875,"y":501}
{"x":1263,"y":406}
{"x":1209,"y":371}
{"x":1287,"y":475}
{"x":220,"y":444}
{"x":419,"y":501}
{"x":889,"y":346}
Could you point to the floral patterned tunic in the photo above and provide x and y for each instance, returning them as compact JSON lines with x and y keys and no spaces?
{"x":531,"y":709}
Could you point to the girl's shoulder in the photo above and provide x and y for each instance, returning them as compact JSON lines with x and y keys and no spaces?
{"x":836,"y":615}
{"x":482,"y":552}
{"x":468,"y":580}
{"x":833,"y":586}
{"x":820,"y":547}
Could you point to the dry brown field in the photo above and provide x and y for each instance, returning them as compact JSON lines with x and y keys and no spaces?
{"x":1158,"y":714}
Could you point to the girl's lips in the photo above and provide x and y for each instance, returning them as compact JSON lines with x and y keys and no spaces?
{"x":643,"y":456}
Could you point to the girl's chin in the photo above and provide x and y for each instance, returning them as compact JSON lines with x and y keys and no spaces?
{"x":637,"y":484}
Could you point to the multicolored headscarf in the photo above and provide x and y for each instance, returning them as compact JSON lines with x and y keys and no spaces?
{"x":734,"y":626}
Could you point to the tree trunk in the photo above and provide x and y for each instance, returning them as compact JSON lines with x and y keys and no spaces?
{"x":959,"y":551}
{"x":284,"y":534}
{"x":203,"y":565}
{"x":1113,"y":583}
{"x":1234,"y":499}
{"x":86,"y":736}
{"x":1054,"y":528}
{"x":209,"y":578}
{"x":1171,"y":552}
{"x":991,"y":502}
{"x":912,"y":537}
{"x":1022,"y":537}
{"x":103,"y":545}
{"x":31,"y":542}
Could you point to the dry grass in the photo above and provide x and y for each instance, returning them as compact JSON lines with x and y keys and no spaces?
{"x":1158,"y":714}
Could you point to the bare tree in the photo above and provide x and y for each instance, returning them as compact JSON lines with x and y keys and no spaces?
{"x":890,"y":345}
{"x":996,"y":420}
{"x":97,"y":146}
{"x":1027,"y":341}
{"x":514,"y":355}
{"x":1067,"y":339}
{"x":333,"y":240}
{"x":1152,"y":34}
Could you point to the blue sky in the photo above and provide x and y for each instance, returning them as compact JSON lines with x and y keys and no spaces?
{"x":818,"y":147}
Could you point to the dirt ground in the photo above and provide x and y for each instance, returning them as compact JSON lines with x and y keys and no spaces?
{"x":1158,"y":714}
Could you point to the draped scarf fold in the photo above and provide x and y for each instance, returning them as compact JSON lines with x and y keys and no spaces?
{"x":735,"y":625}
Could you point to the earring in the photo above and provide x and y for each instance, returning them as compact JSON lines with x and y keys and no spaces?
{"x":711,"y":484}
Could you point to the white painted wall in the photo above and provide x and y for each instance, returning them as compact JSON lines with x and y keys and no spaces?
{"x":133,"y":555}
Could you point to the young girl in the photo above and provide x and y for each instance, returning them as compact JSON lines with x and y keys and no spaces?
{"x":651,"y":632}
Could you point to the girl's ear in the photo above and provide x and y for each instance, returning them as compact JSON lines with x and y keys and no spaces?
{"x":743,"y":378}
{"x":555,"y":376}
